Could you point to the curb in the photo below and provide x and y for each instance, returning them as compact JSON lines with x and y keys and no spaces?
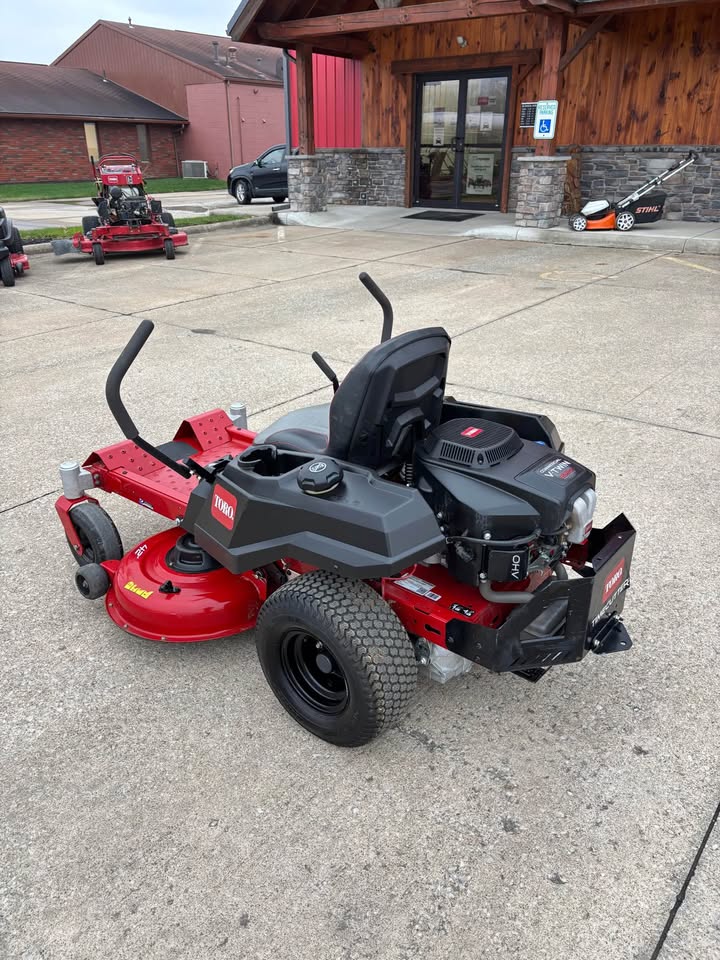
{"x":599,"y":238}
{"x":32,"y":249}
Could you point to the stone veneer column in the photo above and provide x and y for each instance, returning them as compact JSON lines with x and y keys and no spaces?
{"x":541,"y":186}
{"x":307,"y":183}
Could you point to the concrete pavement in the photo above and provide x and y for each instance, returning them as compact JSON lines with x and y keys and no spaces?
{"x":31,"y":214}
{"x":158,"y":803}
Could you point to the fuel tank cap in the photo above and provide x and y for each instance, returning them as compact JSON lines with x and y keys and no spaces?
{"x":320,"y":476}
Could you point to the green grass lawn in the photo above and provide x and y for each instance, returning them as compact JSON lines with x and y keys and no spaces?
{"x":74,"y":191}
{"x":41,"y":234}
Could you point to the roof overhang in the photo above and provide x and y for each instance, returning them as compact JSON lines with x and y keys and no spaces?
{"x":89,"y":119}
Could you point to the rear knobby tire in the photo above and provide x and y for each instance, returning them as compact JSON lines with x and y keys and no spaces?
{"x":336,"y":657}
{"x":168,"y":219}
{"x":7,"y":274}
{"x":98,"y":535}
{"x":15,"y":245}
{"x":98,"y":254}
{"x":169,"y":248}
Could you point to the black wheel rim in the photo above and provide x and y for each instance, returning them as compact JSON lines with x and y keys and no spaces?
{"x":83,"y":585}
{"x":313,"y":672}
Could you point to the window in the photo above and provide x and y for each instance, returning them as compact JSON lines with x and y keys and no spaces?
{"x":274,"y":158}
{"x":143,"y":142}
{"x":91,"y":141}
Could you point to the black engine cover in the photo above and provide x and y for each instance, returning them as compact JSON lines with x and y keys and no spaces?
{"x":483,"y":477}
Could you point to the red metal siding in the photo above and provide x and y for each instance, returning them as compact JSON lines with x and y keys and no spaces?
{"x":337,"y":84}
{"x":137,"y":66}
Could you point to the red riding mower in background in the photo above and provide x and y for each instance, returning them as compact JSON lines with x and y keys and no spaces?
{"x":13,"y":260}
{"x":128,"y":220}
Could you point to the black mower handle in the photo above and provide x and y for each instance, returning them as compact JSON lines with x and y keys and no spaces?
{"x":375,"y":291}
{"x":115,"y":378}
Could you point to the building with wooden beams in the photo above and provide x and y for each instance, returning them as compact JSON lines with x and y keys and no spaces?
{"x":449,"y":95}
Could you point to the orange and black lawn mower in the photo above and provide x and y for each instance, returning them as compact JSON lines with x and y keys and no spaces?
{"x":641,"y":206}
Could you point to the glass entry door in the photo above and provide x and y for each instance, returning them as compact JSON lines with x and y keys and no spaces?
{"x":460,"y":133}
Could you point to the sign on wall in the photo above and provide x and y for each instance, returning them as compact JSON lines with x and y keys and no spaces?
{"x":527,"y":114}
{"x":545,"y":119}
{"x":479,"y":173}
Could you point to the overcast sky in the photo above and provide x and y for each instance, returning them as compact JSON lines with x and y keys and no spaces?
{"x":37,"y":31}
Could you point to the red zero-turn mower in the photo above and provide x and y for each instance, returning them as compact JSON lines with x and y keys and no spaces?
{"x":128,"y":220}
{"x":393,"y":527}
{"x":640,"y":206}
{"x":13,"y":259}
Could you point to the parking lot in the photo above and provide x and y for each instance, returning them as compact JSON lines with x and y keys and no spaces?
{"x":157,"y":802}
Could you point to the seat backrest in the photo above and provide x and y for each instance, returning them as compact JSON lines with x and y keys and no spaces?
{"x":390,"y":399}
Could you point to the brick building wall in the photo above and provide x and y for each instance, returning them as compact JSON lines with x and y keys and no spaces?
{"x":33,"y":151}
{"x":37,"y":150}
{"x":123,"y":138}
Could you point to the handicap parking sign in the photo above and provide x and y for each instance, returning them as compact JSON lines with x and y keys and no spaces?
{"x":545,"y":117}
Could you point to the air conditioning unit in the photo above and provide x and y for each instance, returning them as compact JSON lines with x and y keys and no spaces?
{"x":196,"y":169}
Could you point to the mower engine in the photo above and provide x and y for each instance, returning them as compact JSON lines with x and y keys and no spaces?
{"x":509,"y":507}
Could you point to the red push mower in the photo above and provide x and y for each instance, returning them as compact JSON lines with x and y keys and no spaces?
{"x":640,"y":206}
{"x":13,"y":259}
{"x":392,"y":528}
{"x":128,"y":220}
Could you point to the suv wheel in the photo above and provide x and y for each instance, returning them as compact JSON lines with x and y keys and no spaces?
{"x":242,"y":191}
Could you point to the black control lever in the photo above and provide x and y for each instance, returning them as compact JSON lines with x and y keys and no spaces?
{"x":327,"y":370}
{"x":375,"y":291}
{"x":117,"y":408}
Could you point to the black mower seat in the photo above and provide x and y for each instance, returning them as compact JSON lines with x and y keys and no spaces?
{"x":388,"y":401}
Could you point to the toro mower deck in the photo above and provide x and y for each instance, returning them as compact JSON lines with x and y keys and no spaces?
{"x":393,"y":528}
{"x":128,"y":220}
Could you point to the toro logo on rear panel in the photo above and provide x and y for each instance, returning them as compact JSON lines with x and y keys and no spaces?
{"x":614,"y":580}
{"x":223,"y":507}
{"x":471,"y":432}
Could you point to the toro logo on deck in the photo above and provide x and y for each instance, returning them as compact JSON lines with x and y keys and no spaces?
{"x":614,"y":580}
{"x":223,"y":507}
{"x":471,"y":432}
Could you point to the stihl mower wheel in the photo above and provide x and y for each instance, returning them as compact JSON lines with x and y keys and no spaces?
{"x":98,"y":254}
{"x":625,"y":221}
{"x":578,"y":222}
{"x":169,"y":248}
{"x":7,"y":274}
{"x":92,"y":581}
{"x":336,"y":657}
{"x":97,"y":533}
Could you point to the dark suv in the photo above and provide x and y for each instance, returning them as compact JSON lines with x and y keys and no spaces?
{"x":265,"y":177}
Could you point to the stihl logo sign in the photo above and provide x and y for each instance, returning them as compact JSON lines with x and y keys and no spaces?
{"x":471,"y":432}
{"x":647,"y":209}
{"x":223,"y":507}
{"x":613,"y":580}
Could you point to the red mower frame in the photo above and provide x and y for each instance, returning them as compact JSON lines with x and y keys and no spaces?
{"x":154,"y":231}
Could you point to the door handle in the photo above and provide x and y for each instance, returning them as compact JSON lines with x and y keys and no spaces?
{"x":276,"y":169}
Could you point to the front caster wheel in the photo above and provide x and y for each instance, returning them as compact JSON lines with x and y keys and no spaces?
{"x":92,"y":581}
{"x":169,"y":248}
{"x":97,"y":534}
{"x":336,"y":657}
{"x":578,"y":222}
{"x":98,"y":254}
